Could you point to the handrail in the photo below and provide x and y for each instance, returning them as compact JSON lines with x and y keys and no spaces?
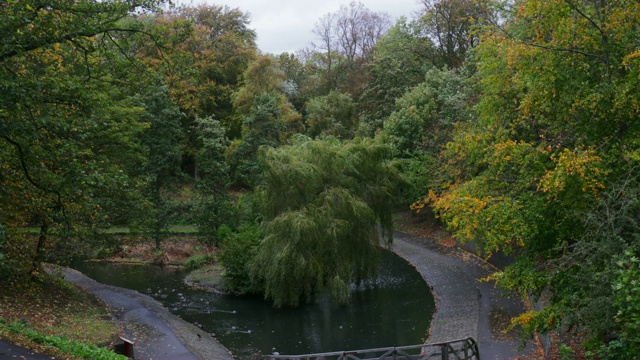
{"x":461,"y":349}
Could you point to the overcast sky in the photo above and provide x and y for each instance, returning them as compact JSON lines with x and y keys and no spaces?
{"x":285,"y":25}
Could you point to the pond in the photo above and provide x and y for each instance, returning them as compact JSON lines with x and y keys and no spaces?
{"x":393,"y":310}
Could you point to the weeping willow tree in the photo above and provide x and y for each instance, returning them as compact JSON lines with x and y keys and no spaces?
{"x":322,"y":203}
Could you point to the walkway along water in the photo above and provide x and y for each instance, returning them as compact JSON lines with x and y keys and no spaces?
{"x":157,"y":334}
{"x":466,"y":308}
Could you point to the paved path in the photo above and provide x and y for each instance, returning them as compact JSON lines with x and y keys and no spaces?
{"x":158,"y":335}
{"x":10,"y":351}
{"x":465,"y":306}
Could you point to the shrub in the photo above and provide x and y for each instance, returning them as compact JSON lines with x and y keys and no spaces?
{"x":235,"y":255}
{"x":198,"y":261}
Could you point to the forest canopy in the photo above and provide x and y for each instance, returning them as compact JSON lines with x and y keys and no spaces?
{"x":515,"y":123}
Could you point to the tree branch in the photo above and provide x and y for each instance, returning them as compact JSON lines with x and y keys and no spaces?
{"x":575,"y":8}
{"x":575,"y":51}
{"x":70,"y":37}
{"x":25,"y":170}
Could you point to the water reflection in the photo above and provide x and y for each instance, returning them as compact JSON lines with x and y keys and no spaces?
{"x":394,"y":310}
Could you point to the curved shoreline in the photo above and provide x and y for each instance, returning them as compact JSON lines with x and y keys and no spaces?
{"x":156,"y":332}
{"x":465,"y":306}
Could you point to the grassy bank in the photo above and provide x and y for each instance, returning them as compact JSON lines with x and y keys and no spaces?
{"x":56,"y":318}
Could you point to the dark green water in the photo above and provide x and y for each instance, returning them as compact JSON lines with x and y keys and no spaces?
{"x":394,"y":310}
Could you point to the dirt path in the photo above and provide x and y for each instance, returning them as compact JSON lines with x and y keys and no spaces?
{"x":466,"y":307}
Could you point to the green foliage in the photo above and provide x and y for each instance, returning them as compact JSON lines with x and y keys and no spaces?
{"x":236,"y":253}
{"x":540,"y":171}
{"x":162,"y":165}
{"x":224,"y":232}
{"x":425,"y":115}
{"x":401,"y":58}
{"x":7,"y":265}
{"x":322,"y":202}
{"x":198,"y":261}
{"x":453,"y":25}
{"x":262,"y":76}
{"x":423,"y":122}
{"x":206,"y":49}
{"x":68,"y":133}
{"x":263,"y":126}
{"x":213,"y":207}
{"x":249,"y":208}
{"x":417,"y":173}
{"x":71,"y":347}
{"x":566,"y":353}
{"x":626,"y":288}
{"x":331,"y":115}
{"x":264,"y":79}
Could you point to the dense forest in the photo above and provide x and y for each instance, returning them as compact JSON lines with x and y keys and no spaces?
{"x":516,"y":123}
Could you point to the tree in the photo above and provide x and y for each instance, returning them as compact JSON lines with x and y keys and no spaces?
{"x":262,"y":76}
{"x":331,"y":115}
{"x":263,"y":126}
{"x":345,"y":41}
{"x":452,"y":24}
{"x":162,"y":167}
{"x":555,"y":135}
{"x":214,"y":207}
{"x":425,"y":115}
{"x":400,"y":60}
{"x":205,"y":51}
{"x":322,"y":203}
{"x":295,"y":79}
{"x":57,"y":110}
{"x":423,"y":123}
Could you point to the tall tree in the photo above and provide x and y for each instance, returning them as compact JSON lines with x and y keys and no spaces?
{"x":205,"y":51}
{"x":346,"y":39}
{"x":214,"y":205}
{"x":556,"y":134}
{"x":263,"y":126}
{"x":63,"y":134}
{"x":331,"y":115}
{"x":322,"y":203}
{"x":400,"y":60}
{"x":452,"y":25}
{"x":162,"y":167}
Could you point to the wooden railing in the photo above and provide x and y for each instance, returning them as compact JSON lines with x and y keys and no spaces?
{"x":463,"y":349}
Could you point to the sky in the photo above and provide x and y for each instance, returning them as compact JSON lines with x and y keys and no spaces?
{"x":286,"y":25}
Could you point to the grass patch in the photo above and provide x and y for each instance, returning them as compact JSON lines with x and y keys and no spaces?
{"x":175,"y":229}
{"x":208,"y":278}
{"x":53,"y":308}
{"x":197,"y":261}
{"x":60,"y":344}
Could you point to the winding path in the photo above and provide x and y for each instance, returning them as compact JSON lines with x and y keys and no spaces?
{"x":157,"y":334}
{"x":464,"y":305}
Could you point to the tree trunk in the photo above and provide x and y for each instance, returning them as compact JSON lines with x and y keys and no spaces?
{"x":38,"y":258}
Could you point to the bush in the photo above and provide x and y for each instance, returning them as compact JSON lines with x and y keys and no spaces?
{"x":211,"y":213}
{"x":235,"y":255}
{"x":198,"y":261}
{"x":626,"y":290}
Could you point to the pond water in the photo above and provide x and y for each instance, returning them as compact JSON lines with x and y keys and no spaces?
{"x":393,"y":310}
